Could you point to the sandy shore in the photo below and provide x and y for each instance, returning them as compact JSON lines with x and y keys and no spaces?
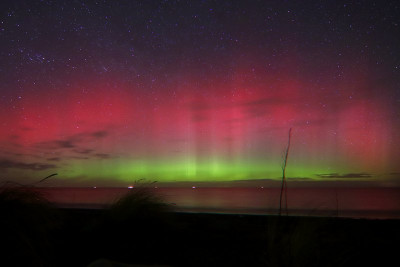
{"x":191,"y":239}
{"x":139,"y":230}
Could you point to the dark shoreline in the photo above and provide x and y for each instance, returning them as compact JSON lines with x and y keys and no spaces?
{"x":345,"y":214}
{"x":139,"y":229}
{"x":362,"y":203}
{"x":199,"y":239}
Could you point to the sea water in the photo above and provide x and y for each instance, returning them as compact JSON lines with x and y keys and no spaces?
{"x":374,"y":203}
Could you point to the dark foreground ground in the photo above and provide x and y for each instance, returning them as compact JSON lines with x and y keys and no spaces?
{"x":40,"y":235}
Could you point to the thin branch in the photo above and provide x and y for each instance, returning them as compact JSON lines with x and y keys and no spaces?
{"x":284,"y":185}
{"x":6,"y":183}
{"x":51,"y":175}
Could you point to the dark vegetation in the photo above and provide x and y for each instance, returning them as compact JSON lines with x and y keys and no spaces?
{"x":141,"y":229}
{"x":29,"y":226}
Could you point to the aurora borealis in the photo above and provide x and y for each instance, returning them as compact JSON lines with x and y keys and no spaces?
{"x":109,"y":92}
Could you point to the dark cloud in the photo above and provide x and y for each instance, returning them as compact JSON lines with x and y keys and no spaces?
{"x":65,"y":143}
{"x":73,"y":141}
{"x":347,"y":175}
{"x":79,"y":157}
{"x":14,"y":137}
{"x":10,"y":164}
{"x":199,"y":117}
{"x":228,"y":139}
{"x":200,"y":106}
{"x":254,"y":108}
{"x":54,"y":159}
{"x":12,"y":153}
{"x":270,"y":101}
{"x":99,"y":134}
{"x":57,"y":144}
{"x":26,"y":129}
{"x":102,"y":156}
{"x":83,"y":151}
{"x":261,"y":107}
{"x":255,"y":112}
{"x":394,"y":173}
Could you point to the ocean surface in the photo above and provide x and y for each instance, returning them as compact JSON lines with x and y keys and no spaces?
{"x":373,"y":203}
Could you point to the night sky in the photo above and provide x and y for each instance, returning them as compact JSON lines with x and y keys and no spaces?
{"x":109,"y":92}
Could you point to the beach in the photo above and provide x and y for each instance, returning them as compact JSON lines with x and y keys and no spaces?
{"x":198,"y":239}
{"x":140,"y":230}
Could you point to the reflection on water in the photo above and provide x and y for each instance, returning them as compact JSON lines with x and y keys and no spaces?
{"x":343,"y":202}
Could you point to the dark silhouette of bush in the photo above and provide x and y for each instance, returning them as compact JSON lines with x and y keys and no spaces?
{"x":136,"y":225}
{"x":27,"y":224}
{"x":139,"y":204}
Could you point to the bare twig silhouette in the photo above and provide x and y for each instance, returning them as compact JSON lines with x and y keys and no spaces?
{"x":284,"y":185}
{"x":8,"y":183}
{"x":51,"y":175}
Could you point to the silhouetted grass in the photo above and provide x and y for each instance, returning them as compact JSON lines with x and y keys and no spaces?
{"x":139,"y":203}
{"x":137,"y":225}
{"x":294,"y":241}
{"x":27,"y":223}
{"x":140,"y":228}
